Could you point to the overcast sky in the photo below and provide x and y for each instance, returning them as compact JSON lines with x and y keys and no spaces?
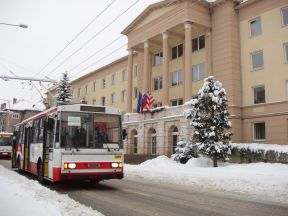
{"x":52,"y":24}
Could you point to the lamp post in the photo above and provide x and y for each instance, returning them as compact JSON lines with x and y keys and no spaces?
{"x":19,"y":25}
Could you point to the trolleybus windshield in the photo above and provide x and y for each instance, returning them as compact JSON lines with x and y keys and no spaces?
{"x":88,"y":130}
{"x":5,"y":141}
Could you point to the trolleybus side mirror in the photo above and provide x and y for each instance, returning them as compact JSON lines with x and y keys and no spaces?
{"x":50,"y":124}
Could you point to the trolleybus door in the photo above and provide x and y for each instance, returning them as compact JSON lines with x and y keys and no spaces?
{"x":27,"y":141}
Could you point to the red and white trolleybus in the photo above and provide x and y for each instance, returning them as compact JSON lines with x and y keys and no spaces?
{"x":70,"y":142}
{"x":5,"y":144}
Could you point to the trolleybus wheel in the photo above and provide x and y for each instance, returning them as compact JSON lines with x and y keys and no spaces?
{"x":40,"y":172}
{"x":19,"y":165}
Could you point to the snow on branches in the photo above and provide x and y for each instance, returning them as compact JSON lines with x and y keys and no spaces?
{"x":209,"y":118}
{"x":64,"y":90}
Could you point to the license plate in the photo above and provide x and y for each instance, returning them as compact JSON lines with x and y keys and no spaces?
{"x":93,"y":165}
{"x":117,"y":157}
{"x":4,"y":153}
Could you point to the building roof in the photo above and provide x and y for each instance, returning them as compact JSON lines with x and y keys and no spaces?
{"x":23,"y":105}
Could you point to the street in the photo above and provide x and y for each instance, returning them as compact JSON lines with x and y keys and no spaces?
{"x":130,"y":198}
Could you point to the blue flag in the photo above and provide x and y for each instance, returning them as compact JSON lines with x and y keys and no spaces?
{"x":139,"y":103}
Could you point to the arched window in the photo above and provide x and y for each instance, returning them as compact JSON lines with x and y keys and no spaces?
{"x":152,"y":139}
{"x":175,"y":134}
{"x":134,"y":142}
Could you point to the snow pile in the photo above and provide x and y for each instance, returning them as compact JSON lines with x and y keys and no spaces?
{"x":35,"y":199}
{"x":255,"y":147}
{"x":261,"y":180}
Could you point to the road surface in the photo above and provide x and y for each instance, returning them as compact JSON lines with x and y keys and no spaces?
{"x":139,"y":198}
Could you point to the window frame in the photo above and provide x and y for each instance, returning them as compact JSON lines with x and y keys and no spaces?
{"x":103,"y":104}
{"x":251,"y":60}
{"x":135,"y":71}
{"x":254,"y":132}
{"x":124,"y":75}
{"x":177,"y":102}
{"x":178,"y":83}
{"x":253,"y":93}
{"x":285,"y":52}
{"x":282,"y":16}
{"x":94,"y":86}
{"x":103,"y":83}
{"x":123,"y":96}
{"x":198,"y":43}
{"x":159,"y":56}
{"x":112,"y":98}
{"x":250,"y":26}
{"x":113,"y":79}
{"x":177,"y":51}
{"x":198,"y":72}
{"x":159,"y":80}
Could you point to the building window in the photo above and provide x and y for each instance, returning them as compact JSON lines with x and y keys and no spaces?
{"x":158,"y":58}
{"x":177,"y":51}
{"x":123,"y":96}
{"x":124,"y":75}
{"x":286,"y":52}
{"x":176,"y":78}
{"x":94,"y":101}
{"x":86,"y":89}
{"x":79,"y":92}
{"x":15,"y":116}
{"x":113,"y":79}
{"x":259,"y":94}
{"x":135,"y":71}
{"x":255,"y":27}
{"x":103,"y":101}
{"x":198,"y":43}
{"x":113,"y":98}
{"x":259,"y":131}
{"x":284,"y":12}
{"x":158,"y":83}
{"x":135,"y":92}
{"x":177,"y":102}
{"x":103,"y":83}
{"x":94,"y":86}
{"x":198,"y":72}
{"x":257,"y":61}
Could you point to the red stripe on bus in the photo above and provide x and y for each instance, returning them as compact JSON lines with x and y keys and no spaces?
{"x":33,"y":168}
{"x":56,"y":174}
{"x":92,"y":165}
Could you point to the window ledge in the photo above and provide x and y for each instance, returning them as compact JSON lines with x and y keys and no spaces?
{"x":259,"y":140}
{"x":257,"y":69}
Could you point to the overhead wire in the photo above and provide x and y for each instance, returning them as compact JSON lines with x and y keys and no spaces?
{"x":98,"y":51}
{"x":76,"y":36}
{"x":109,"y":54}
{"x":92,"y":38}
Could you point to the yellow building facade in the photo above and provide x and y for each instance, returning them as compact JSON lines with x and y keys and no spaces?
{"x":174,"y":44}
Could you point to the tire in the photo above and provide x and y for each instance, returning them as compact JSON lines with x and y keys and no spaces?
{"x":40,"y":176}
{"x":19,"y":166}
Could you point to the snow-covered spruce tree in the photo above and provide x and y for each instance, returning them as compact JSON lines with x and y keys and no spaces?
{"x":209,"y":119}
{"x":184,"y":151}
{"x":64,"y":90}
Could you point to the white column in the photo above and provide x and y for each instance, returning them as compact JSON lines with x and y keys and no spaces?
{"x":130,"y":81}
{"x":188,"y":62}
{"x":165,"y":69}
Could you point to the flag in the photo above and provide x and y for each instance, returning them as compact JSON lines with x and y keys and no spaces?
{"x":148,"y":102}
{"x":139,"y":102}
{"x":145,"y":101}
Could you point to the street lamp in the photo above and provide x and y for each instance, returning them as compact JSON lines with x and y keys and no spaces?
{"x":19,"y":25}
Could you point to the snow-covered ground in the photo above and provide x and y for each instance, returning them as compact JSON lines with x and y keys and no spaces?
{"x":21,"y":196}
{"x":264,"y":181}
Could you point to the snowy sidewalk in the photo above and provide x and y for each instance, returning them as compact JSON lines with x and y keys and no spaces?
{"x":21,"y":196}
{"x":265,"y":181}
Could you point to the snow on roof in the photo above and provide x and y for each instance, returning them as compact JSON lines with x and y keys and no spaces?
{"x":27,"y":105}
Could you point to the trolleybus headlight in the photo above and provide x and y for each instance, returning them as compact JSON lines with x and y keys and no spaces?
{"x":120,"y":165}
{"x":114,"y":165}
{"x":69,"y":165}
